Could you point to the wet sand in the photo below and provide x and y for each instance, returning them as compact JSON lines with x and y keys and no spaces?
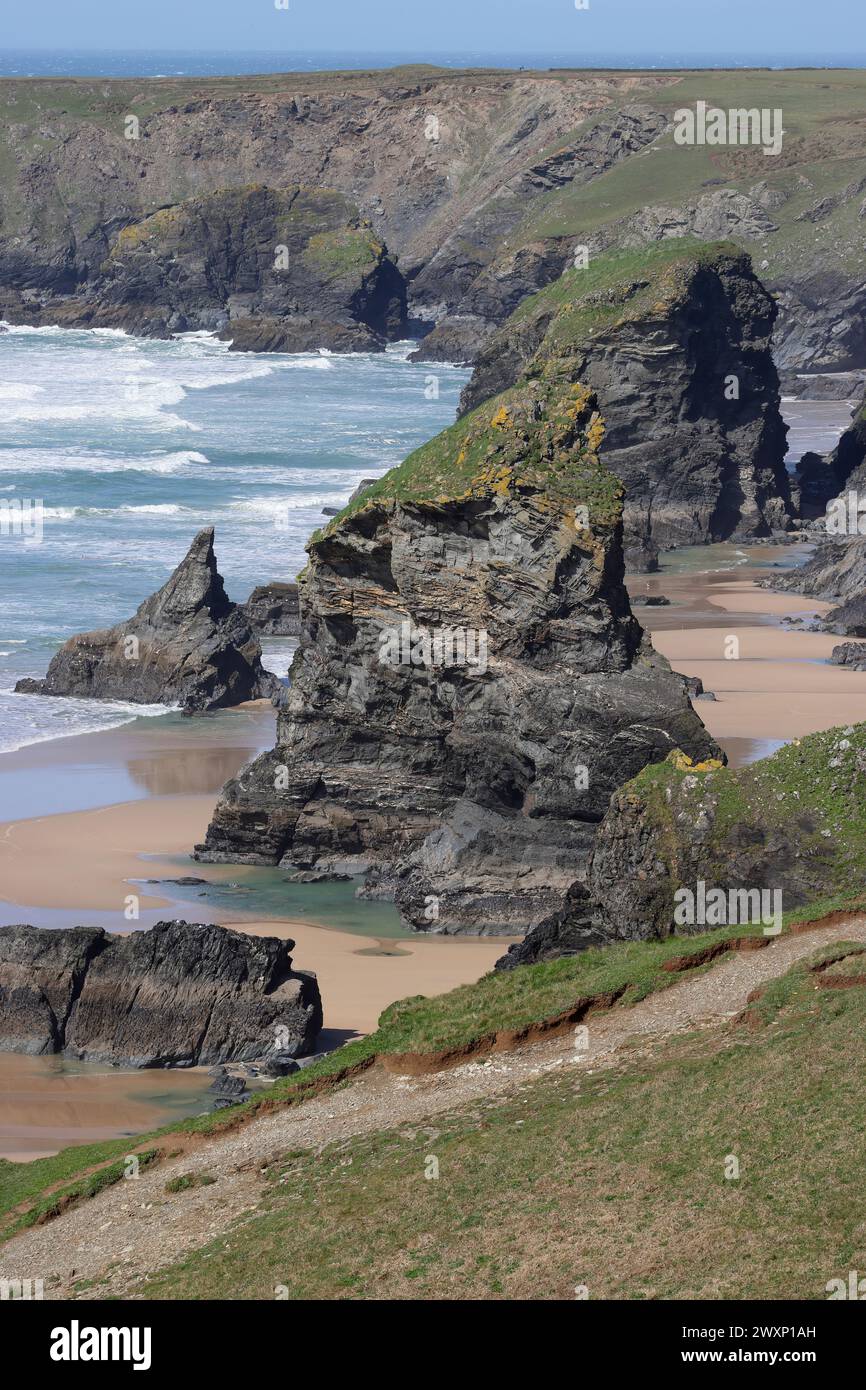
{"x":95,"y":856}
{"x":47,"y":1103}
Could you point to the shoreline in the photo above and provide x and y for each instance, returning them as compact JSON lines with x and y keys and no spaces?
{"x":135,"y":798}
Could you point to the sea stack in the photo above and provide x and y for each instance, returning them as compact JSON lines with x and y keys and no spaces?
{"x":186,"y":645}
{"x":676,"y":340}
{"x":471,"y":685}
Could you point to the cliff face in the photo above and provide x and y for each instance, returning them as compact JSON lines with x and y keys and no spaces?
{"x":187,"y":644}
{"x":471,"y":685}
{"x":178,"y":995}
{"x":676,"y":342}
{"x":274,"y":269}
{"x":480,"y":182}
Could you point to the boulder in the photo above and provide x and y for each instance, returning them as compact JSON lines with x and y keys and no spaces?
{"x":272,"y":610}
{"x":182,"y":994}
{"x":186,"y":645}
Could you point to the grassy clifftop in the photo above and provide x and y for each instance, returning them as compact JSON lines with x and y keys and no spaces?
{"x":542,"y":436}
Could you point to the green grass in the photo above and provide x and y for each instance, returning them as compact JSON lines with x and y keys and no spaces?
{"x":185,"y":1181}
{"x":348,"y":251}
{"x":614,"y":1180}
{"x":540,"y":436}
{"x":510,"y":1000}
{"x":810,"y":790}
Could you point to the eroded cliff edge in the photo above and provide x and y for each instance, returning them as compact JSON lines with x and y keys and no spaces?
{"x":471,"y":686}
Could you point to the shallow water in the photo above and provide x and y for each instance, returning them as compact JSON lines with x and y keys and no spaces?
{"x":47,"y":1103}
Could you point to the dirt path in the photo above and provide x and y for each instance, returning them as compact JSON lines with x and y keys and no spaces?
{"x":135,"y":1227}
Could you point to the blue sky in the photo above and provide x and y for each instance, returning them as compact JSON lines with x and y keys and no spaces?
{"x":801,"y":28}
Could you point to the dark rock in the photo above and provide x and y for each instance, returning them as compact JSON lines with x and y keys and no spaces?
{"x":565,"y":932}
{"x":836,"y":570}
{"x":817,"y":386}
{"x":187,"y":881}
{"x":280,"y":1063}
{"x":470,"y":786}
{"x":649,"y":601}
{"x":272,"y":610}
{"x":698,"y":463}
{"x":270,"y":269}
{"x":179,"y":995}
{"x":850,"y":654}
{"x":316,"y":876}
{"x":796,"y":833}
{"x":187,"y":644}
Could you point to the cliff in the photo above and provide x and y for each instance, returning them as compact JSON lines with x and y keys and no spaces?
{"x":276,"y":270}
{"x":187,"y":644}
{"x":470,"y":685}
{"x":676,"y":342}
{"x":480,"y":182}
{"x":179,"y":995}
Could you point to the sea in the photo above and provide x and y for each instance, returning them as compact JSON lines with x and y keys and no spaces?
{"x":122,"y":63}
{"x":115,"y":451}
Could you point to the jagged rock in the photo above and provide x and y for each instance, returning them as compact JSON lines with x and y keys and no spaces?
{"x":819,"y":386}
{"x":470,"y":786}
{"x":677,"y":345}
{"x":564,"y":933}
{"x":187,"y":644}
{"x":649,"y":601}
{"x":181,"y":994}
{"x":850,"y":654}
{"x":272,"y":610}
{"x":457,"y":339}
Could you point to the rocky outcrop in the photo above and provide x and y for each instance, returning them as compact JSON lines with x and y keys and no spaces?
{"x":676,"y":342}
{"x":186,"y":645}
{"x":272,"y":270}
{"x":272,"y":610}
{"x":470,"y":685}
{"x":179,"y":995}
{"x":837,"y":570}
{"x":850,"y":654}
{"x":684,"y":848}
{"x":790,"y":823}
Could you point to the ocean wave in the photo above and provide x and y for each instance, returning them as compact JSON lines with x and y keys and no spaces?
{"x":53,"y":461}
{"x":29,"y":719}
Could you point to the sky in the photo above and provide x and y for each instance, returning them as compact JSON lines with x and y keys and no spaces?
{"x":781,"y":28}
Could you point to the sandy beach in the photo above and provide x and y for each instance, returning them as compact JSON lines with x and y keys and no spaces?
{"x":779,"y":684}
